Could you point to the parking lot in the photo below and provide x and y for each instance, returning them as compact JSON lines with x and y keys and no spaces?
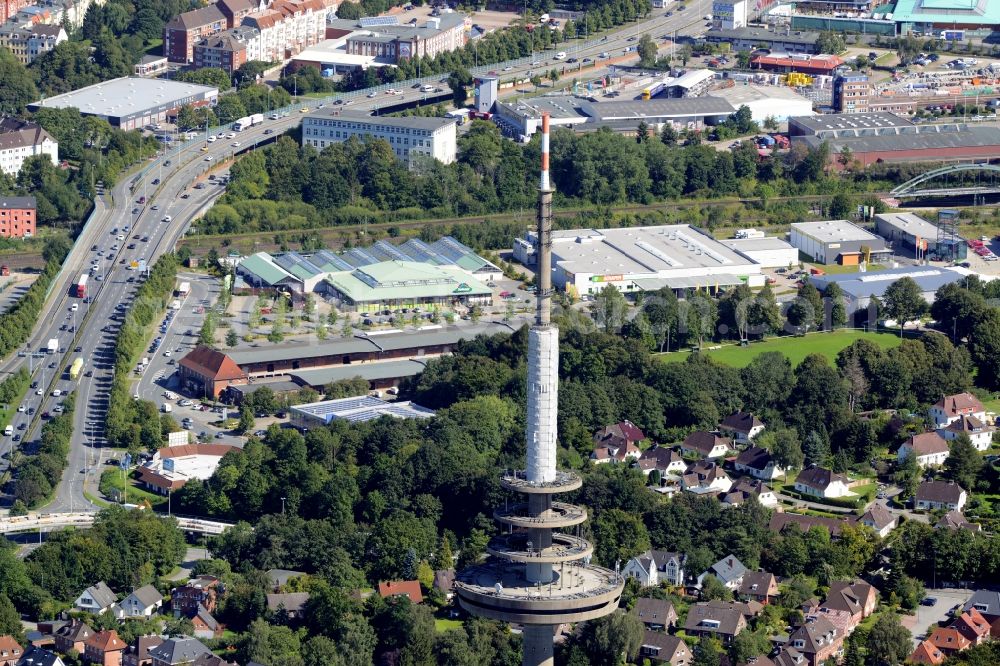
{"x":927,"y":615}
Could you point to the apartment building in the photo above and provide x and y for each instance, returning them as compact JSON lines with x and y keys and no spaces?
{"x":288,"y":27}
{"x":17,"y":217}
{"x":185,"y":30}
{"x":410,"y":137}
{"x":229,"y":49}
{"x":19,"y":140}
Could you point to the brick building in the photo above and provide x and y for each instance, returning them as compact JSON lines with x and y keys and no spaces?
{"x":17,"y":217}
{"x":229,"y":49}
{"x":208,"y":372}
{"x":184,"y":30}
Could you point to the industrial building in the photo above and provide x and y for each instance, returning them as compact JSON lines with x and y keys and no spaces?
{"x":522,"y":118}
{"x":356,"y":410}
{"x":173,"y":466}
{"x":802,"y":63}
{"x":635,"y":259}
{"x":920,"y":236}
{"x":729,"y":14}
{"x":933,"y":143}
{"x":851,"y":93}
{"x":392,"y":284}
{"x":926,"y":16}
{"x":208,"y":372}
{"x":749,"y":39}
{"x":689,"y":84}
{"x":768,"y":252}
{"x":132,"y":102}
{"x":838,"y":241}
{"x":777,"y":102}
{"x":859,"y":288}
{"x":410,"y":137}
{"x":301,"y":273}
{"x":835,"y":126}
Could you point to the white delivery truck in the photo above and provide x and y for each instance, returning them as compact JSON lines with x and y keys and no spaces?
{"x":9,"y":430}
{"x":183,"y":289}
{"x":257,"y":119}
{"x":175,"y":305}
{"x":166,"y":408}
{"x":53,"y":346}
{"x":241,"y":124}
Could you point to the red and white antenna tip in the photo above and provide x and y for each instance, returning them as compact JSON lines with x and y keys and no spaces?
{"x":544,"y":185}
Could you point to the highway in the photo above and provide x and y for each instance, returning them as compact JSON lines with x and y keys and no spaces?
{"x":167,"y":183}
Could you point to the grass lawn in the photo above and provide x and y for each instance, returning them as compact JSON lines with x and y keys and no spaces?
{"x":442,"y":625}
{"x":795,"y":348}
{"x":112,"y":480}
{"x":992,"y":405}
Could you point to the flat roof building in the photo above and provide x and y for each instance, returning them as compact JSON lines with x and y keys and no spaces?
{"x":835,"y":125}
{"x":356,"y":410}
{"x":132,"y":102}
{"x":860,"y":287}
{"x":777,"y":102}
{"x":523,"y":118}
{"x":768,"y":252}
{"x":803,"y":63}
{"x":837,"y":241}
{"x":395,"y":283}
{"x":748,"y":39}
{"x":173,"y":466}
{"x":411,"y":137}
{"x":635,"y":259}
{"x":926,"y":15}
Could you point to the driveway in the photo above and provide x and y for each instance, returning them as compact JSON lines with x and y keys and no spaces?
{"x":947,"y":598}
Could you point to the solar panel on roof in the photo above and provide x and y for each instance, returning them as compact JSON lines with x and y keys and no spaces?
{"x":359,"y":257}
{"x":373,"y":21}
{"x":389,"y":251}
{"x":420,"y":251}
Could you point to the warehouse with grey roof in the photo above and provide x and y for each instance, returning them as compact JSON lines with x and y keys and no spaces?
{"x":132,"y":102}
{"x":838,"y":242}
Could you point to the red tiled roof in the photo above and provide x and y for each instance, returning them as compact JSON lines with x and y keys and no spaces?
{"x":106,"y":641}
{"x":196,"y":450}
{"x":947,"y":638}
{"x":409,"y":588}
{"x":926,"y":653}
{"x":953,"y":405}
{"x":10,"y":648}
{"x":927,"y":443}
{"x":211,"y":363}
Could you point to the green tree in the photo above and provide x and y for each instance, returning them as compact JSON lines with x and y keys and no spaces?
{"x":18,"y":88}
{"x":612,"y":639}
{"x":985,"y":349}
{"x":459,"y":81}
{"x":620,"y":536}
{"x":647,"y":51}
{"x":907,"y":475}
{"x":708,"y":652}
{"x":838,"y":311}
{"x":786,"y":448}
{"x":246,"y":420}
{"x":964,"y":462}
{"x":888,"y":641}
{"x":231,"y":338}
{"x":206,"y":335}
{"x":609,"y":309}
{"x":903,"y":301}
{"x":712,"y":589}
{"x":10,"y":620}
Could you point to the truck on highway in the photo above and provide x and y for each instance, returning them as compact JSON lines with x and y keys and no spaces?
{"x":248,"y":121}
{"x":183,"y":289}
{"x":76,"y":368}
{"x":53,"y":346}
{"x":9,"y":430}
{"x":81,"y":286}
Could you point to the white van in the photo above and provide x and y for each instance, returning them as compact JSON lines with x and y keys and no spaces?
{"x":8,"y":431}
{"x":167,"y":408}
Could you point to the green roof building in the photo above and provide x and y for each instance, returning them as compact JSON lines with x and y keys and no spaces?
{"x":927,"y":15}
{"x":407,"y":283}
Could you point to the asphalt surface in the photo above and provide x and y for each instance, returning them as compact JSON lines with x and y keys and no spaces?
{"x":94,"y":323}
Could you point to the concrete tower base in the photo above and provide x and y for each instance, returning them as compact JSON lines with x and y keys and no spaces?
{"x":536,"y":645}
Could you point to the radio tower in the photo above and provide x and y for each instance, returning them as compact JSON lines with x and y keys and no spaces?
{"x":535,"y":576}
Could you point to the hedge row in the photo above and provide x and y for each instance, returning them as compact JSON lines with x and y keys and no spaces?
{"x":39,"y":474}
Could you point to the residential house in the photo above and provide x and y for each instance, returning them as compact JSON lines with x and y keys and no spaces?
{"x":742,"y":427}
{"x":817,"y":640}
{"x":987,"y":602}
{"x":655,"y":614}
{"x":143,"y":602}
{"x":11,"y":651}
{"x":746,"y":488}
{"x":201,"y":591}
{"x":748,"y":609}
{"x":72,"y":636}
{"x":178,"y":651}
{"x":880,"y":519}
{"x":212,"y":660}
{"x":759,"y":660}
{"x":759,"y":586}
{"x":973,"y":626}
{"x":940,"y":495}
{"x":36,"y":656}
{"x":779,"y":521}
{"x":722,"y":623}
{"x":956,"y":520}
{"x":279,"y":578}
{"x":857,"y":598}
{"x":928,"y":448}
{"x":96,"y":599}
{"x":789,"y":656}
{"x":952,"y":407}
{"x":926,"y":653}
{"x":292,"y":603}
{"x":949,"y":640}
{"x":666,"y":461}
{"x":21,"y":139}
{"x":758,"y":463}
{"x":703,"y":444}
{"x":406,"y":588}
{"x":978,"y":431}
{"x":706,"y":477}
{"x":137,"y":654}
{"x":444,"y":582}
{"x":820,"y":482}
{"x":729,"y":570}
{"x":205,"y":625}
{"x":622,"y":436}
{"x":655,"y":567}
{"x":105,"y":648}
{"x":662,"y":648}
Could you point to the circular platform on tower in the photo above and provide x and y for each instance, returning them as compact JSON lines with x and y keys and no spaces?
{"x":578,"y":593}
{"x":559,"y":514}
{"x":564,"y":548}
{"x":518,"y":481}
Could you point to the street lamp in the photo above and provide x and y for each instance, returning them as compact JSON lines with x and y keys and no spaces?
{"x":283,"y":506}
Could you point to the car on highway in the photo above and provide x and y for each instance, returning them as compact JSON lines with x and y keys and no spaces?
{"x":78,"y":349}
{"x":211,"y":139}
{"x":570,"y":61}
{"x":235,"y":144}
{"x":208,"y":158}
{"x":372,"y":95}
{"x":156,"y":181}
{"x":154,"y":207}
{"x":231,"y":135}
{"x":39,"y":392}
{"x":268,"y":131}
{"x":22,"y":408}
{"x":74,"y":307}
{"x":135,"y":211}
{"x":130,"y":246}
{"x":56,"y":393}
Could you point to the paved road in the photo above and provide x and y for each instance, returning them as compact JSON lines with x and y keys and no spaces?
{"x":947,"y":598}
{"x":177,"y":171}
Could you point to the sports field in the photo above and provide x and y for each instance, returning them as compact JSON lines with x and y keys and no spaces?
{"x":795,"y":348}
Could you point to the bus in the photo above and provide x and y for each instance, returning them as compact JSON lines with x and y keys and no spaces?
{"x":652,"y":91}
{"x":81,"y":286}
{"x":76,"y":368}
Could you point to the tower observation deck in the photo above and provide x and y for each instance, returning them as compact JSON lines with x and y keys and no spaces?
{"x":536,"y":575}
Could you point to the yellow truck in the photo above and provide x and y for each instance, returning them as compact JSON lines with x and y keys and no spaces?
{"x":76,"y":368}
